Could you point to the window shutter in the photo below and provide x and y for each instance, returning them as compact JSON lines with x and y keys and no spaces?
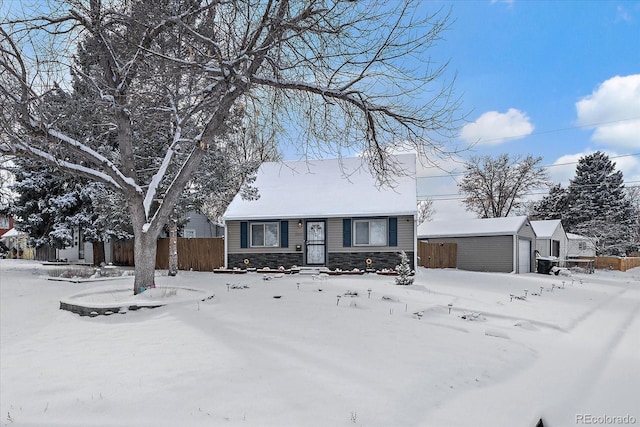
{"x":346,"y":232}
{"x":393,"y":231}
{"x":244,"y":234}
{"x":284,"y":234}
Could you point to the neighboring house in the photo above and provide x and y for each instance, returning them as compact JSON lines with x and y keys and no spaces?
{"x":326,"y":213}
{"x":18,"y":244}
{"x":6,"y":224}
{"x":78,"y":252}
{"x":492,"y":244}
{"x":199,"y":226}
{"x":551,"y":240}
{"x":580,"y":246}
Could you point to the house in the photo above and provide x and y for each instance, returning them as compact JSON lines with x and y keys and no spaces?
{"x":198,"y":226}
{"x":323,"y":213}
{"x":78,"y":251}
{"x":551,"y":240}
{"x":580,"y":246}
{"x":6,"y":224}
{"x":492,"y":244}
{"x":18,"y":244}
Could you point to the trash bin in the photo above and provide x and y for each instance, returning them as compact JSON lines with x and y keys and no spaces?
{"x":545,"y":265}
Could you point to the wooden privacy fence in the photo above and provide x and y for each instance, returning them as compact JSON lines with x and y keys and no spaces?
{"x":617,"y":263}
{"x":437,"y":255}
{"x":197,"y":254}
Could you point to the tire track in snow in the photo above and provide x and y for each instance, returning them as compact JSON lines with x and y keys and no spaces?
{"x":568,"y":367}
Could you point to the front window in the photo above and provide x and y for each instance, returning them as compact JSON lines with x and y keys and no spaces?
{"x":582,"y":246}
{"x":264,"y":234}
{"x":371,"y":232}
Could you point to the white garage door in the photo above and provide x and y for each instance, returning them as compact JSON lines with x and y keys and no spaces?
{"x":524,"y":256}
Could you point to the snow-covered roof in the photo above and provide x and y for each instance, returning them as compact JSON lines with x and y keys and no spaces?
{"x":472,"y":227}
{"x":545,"y":228}
{"x":574,"y":236}
{"x":12,"y":233}
{"x":326,"y":188}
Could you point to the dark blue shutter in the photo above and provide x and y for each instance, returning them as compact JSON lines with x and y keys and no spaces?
{"x":393,"y":231}
{"x":346,"y":232}
{"x":284,"y":234}
{"x":244,"y":234}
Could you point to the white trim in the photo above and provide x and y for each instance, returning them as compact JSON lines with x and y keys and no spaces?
{"x":415,"y":242}
{"x":369,"y":220}
{"x":264,"y":234}
{"x":515,"y":253}
{"x":226,"y":246}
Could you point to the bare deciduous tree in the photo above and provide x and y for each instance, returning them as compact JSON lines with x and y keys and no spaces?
{"x":425,"y":211}
{"x":161,"y":80}
{"x":494,"y":187}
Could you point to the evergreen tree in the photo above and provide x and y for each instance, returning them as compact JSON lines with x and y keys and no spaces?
{"x":598,"y":205}
{"x":45,"y":199}
{"x":404,"y":271}
{"x":52,"y":206}
{"x":552,"y":206}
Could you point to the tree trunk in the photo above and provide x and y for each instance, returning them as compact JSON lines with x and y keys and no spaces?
{"x":173,"y":247}
{"x":144,"y":255}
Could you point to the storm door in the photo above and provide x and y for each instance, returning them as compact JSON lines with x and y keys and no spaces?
{"x":316,"y":242}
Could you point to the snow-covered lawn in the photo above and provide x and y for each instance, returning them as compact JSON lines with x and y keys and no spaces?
{"x":309,"y":358}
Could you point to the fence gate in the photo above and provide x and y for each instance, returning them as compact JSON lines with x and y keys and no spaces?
{"x":437,"y":255}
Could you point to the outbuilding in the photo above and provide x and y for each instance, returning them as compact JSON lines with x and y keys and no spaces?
{"x":551,"y":239}
{"x":505,"y":245}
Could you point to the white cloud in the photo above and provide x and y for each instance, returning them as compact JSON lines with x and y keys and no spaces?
{"x":613,"y":111}
{"x":623,"y":15}
{"x":493,"y":128}
{"x":564,"y":168}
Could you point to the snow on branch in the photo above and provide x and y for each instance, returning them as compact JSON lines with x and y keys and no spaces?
{"x":95,"y":157}
{"x":83,"y":170}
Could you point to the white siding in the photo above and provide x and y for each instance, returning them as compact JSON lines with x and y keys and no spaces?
{"x":545,"y":245}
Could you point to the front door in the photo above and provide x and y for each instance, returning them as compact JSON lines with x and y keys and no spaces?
{"x":316,"y":242}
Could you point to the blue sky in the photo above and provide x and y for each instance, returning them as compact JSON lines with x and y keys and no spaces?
{"x":556,"y":79}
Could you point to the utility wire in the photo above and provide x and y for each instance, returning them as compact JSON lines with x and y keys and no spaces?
{"x":456,"y":196}
{"x":453,"y":174}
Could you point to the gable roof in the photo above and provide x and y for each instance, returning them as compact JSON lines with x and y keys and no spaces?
{"x":545,"y":228}
{"x":326,"y":188}
{"x":13,"y":233}
{"x":574,"y":236}
{"x":472,"y":227}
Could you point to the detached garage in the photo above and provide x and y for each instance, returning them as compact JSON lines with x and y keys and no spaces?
{"x":502,"y":245}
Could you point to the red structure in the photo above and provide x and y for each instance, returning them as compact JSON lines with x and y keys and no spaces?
{"x":6,"y":224}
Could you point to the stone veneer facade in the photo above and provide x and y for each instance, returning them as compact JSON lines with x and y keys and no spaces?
{"x":342,"y":260}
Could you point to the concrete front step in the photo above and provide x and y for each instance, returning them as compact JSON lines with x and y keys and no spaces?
{"x":312,"y":270}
